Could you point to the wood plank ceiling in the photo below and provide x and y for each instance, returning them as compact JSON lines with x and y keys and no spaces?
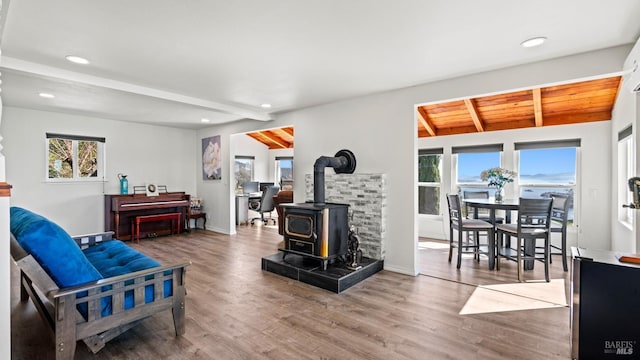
{"x":554,"y":105}
{"x":280,"y":138}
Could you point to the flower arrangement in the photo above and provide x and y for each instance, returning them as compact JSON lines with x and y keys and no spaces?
{"x":498,"y":177}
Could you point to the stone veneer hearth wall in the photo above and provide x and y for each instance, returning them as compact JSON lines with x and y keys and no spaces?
{"x":367,"y":197}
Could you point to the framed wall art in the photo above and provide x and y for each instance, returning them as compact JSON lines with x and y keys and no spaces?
{"x":211,"y":158}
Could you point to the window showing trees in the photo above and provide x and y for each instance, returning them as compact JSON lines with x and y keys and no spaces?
{"x":429,"y":181}
{"x":71,"y":157}
{"x":243,"y":169}
{"x":547,"y":168}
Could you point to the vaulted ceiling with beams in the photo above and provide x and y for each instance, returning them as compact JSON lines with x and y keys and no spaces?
{"x":553,"y":105}
{"x":281,"y":138}
{"x":281,"y":56}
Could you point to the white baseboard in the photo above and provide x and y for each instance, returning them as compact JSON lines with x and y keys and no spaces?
{"x":400,"y":269}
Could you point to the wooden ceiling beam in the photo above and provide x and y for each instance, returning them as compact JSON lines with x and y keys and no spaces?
{"x":284,"y":135}
{"x":274,"y":138}
{"x":574,"y":103}
{"x":423,"y":119}
{"x":537,"y":106}
{"x":277,"y":141}
{"x":473,"y":112}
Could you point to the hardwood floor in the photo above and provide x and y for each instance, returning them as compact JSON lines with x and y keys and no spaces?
{"x":433,"y":261}
{"x":237,"y":311}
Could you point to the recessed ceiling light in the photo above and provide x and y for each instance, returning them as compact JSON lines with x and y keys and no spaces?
{"x":204,"y":120}
{"x":536,"y":41}
{"x":266,"y":106}
{"x":47,"y":95}
{"x":77,"y":59}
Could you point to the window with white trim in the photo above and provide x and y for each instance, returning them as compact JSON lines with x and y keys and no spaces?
{"x":74,"y":158}
{"x":284,"y":171}
{"x":470,"y":161}
{"x":547,"y":168}
{"x":243,"y":169}
{"x":429,"y":181}
{"x":626,"y":170}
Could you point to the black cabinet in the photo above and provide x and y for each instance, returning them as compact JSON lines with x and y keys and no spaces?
{"x":605,"y":309}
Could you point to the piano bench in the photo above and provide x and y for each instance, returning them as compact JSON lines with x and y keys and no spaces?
{"x":135,"y":231}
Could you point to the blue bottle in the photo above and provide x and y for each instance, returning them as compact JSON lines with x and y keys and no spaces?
{"x":124,"y":184}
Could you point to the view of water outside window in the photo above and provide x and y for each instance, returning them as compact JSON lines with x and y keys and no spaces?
{"x":548,"y":171}
{"x":471,"y":165}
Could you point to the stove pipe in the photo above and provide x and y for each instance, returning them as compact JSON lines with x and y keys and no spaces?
{"x":344,"y":162}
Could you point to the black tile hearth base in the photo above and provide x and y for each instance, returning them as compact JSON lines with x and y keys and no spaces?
{"x":336,"y":278}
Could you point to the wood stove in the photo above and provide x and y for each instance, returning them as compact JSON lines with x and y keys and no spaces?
{"x":317,"y":229}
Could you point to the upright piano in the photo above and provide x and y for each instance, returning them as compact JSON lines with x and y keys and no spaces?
{"x":121,"y":210}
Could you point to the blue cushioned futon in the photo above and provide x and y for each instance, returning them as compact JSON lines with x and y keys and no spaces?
{"x":68,"y":265}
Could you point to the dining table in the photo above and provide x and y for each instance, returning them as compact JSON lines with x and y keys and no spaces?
{"x":490,"y":204}
{"x":507,"y":205}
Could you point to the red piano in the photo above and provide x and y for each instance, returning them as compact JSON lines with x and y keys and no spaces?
{"x":121,"y":210}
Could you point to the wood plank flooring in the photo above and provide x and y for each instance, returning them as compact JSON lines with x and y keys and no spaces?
{"x":237,"y":311}
{"x":433,"y":258}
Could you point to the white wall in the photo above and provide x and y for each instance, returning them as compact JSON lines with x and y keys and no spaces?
{"x":381,"y":131}
{"x":591,"y":230}
{"x":244,"y":145}
{"x":635,"y":115}
{"x":272,"y":161}
{"x":623,"y":239}
{"x":5,"y":270}
{"x":163,"y":155}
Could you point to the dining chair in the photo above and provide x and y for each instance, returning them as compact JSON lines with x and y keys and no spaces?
{"x":462,"y":225}
{"x":534,"y":220}
{"x":471,"y":212}
{"x":559,"y":214}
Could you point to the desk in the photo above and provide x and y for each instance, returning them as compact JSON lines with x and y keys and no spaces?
{"x":242,"y":208}
{"x":243,"y":202}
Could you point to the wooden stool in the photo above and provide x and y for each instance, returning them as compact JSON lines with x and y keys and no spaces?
{"x":195,"y":216}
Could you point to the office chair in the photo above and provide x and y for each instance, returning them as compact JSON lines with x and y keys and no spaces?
{"x":267,"y":205}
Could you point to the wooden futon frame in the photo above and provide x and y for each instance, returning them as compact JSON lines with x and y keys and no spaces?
{"x":58,"y":307}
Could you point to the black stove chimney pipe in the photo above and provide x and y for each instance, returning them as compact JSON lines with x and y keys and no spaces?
{"x":344,"y":162}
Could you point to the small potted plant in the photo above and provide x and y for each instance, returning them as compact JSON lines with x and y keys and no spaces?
{"x":498,"y":177}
